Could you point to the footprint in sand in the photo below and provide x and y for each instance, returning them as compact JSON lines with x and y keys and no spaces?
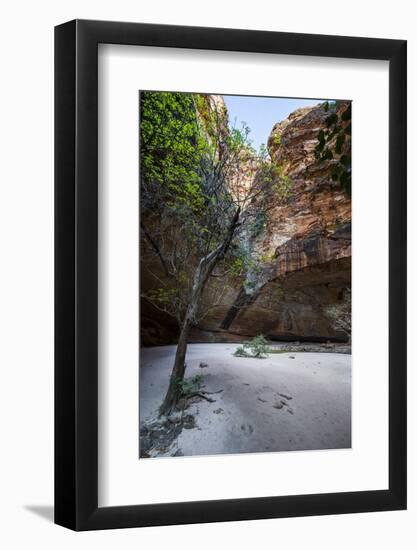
{"x":265,"y":394}
{"x":285,"y":396}
{"x":247,"y":429}
{"x":280,"y":404}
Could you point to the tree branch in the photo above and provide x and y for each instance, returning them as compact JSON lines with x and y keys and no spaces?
{"x":155,"y":247}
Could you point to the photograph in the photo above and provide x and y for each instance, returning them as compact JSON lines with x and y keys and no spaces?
{"x":208,"y":275}
{"x":208,"y":234}
{"x":245,"y":274}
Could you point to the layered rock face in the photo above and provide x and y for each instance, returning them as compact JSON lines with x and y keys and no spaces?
{"x":304,"y":293}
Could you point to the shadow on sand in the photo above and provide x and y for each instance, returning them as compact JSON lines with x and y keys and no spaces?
{"x":45,"y":512}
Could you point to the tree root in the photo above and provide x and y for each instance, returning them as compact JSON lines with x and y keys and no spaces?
{"x":202,"y":394}
{"x":199,"y":394}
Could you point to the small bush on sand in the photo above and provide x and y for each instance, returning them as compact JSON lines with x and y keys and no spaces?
{"x":241,"y":351}
{"x":190,"y":385}
{"x":257,"y":347}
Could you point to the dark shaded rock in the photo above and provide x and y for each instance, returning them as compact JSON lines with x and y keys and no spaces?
{"x":156,"y":438}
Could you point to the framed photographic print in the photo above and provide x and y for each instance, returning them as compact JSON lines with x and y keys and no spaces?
{"x":230,"y":275}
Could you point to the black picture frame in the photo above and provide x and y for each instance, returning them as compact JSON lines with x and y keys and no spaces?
{"x":76,"y":272}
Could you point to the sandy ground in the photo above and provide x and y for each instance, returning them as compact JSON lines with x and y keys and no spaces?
{"x":286,"y":402}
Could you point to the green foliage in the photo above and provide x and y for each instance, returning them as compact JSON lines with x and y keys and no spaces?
{"x":334,"y":144}
{"x":345,"y":160}
{"x":237,"y":266}
{"x":238,"y":140}
{"x":259,"y":224}
{"x":285,"y":187}
{"x":277,"y":139}
{"x":189,"y":385}
{"x":347,"y":115}
{"x":203,"y":108}
{"x":346,"y":182}
{"x":162,"y":295}
{"x":263,"y":153}
{"x":339,"y":142}
{"x":241,"y":352}
{"x":327,"y":154}
{"x":280,"y":184}
{"x":267,"y":258}
{"x":331,"y":120}
{"x":258,"y":347}
{"x":171,"y":148}
{"x":209,"y":119}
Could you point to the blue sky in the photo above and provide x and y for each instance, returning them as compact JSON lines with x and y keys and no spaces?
{"x":261,"y":113}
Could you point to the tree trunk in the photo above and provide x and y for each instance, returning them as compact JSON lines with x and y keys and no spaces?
{"x":178,"y":370}
{"x":203,"y":272}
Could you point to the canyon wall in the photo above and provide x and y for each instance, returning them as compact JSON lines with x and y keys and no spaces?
{"x":304,"y":289}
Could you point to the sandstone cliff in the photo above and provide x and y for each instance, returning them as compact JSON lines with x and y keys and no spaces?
{"x":303,"y":291}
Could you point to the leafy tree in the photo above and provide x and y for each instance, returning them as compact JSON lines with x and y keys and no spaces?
{"x":203,"y":189}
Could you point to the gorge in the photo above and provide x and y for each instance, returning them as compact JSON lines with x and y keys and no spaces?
{"x":303,"y":290}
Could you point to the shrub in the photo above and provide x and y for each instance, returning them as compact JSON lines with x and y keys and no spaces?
{"x":257,"y":347}
{"x":241,"y":351}
{"x":190,"y":385}
{"x":277,"y":139}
